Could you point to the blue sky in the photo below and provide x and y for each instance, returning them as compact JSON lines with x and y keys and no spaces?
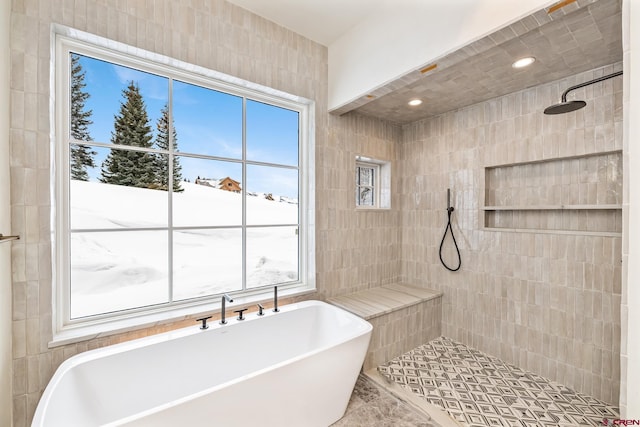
{"x":207,"y":122}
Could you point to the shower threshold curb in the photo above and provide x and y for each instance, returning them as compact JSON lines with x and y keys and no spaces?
{"x":414,"y":401}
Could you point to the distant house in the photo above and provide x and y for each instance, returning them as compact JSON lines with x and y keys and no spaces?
{"x":227,"y":184}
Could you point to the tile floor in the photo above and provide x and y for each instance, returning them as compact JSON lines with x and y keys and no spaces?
{"x":478,"y":390}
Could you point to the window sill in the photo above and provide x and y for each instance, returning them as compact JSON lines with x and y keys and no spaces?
{"x":78,"y":333}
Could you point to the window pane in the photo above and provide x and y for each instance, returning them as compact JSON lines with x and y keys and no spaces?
{"x":113,"y":271}
{"x":107,"y":89}
{"x":211,"y":197}
{"x":365,"y":176}
{"x":364,"y":196}
{"x":272,"y":195}
{"x":206,"y":262}
{"x":207,"y":122}
{"x":272,"y":134}
{"x":272,"y":256}
{"x":118,"y":192}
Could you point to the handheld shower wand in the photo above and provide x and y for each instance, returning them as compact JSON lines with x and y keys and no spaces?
{"x":450,"y":210}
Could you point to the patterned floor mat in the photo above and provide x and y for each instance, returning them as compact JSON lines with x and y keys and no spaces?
{"x":479,"y":390}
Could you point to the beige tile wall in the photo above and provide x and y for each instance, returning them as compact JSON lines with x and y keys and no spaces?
{"x":402,"y":330}
{"x":545,"y":302}
{"x":355,"y":250}
{"x":359,"y":249}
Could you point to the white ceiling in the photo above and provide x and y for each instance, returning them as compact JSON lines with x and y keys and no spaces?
{"x":322,"y":21}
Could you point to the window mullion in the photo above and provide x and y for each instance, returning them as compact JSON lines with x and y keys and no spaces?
{"x":302,"y":264}
{"x":243,"y":192}
{"x":170,"y":189}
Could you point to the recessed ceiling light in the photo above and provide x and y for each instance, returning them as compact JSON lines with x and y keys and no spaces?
{"x":415,"y":102}
{"x":523,"y":62}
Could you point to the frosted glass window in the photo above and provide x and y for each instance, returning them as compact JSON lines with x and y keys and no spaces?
{"x":372,"y":183}
{"x":365,"y":185}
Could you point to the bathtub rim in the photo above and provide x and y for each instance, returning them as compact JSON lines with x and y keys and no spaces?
{"x":89,"y":355}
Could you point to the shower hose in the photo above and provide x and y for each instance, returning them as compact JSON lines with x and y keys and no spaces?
{"x":448,"y":228}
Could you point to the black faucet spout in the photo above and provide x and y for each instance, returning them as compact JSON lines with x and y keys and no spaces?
{"x":223,"y":315}
{"x":275,"y":299}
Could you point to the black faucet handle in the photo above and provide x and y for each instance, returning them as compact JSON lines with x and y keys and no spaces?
{"x":204,"y":322}
{"x":260,"y":310}
{"x":240,"y":313}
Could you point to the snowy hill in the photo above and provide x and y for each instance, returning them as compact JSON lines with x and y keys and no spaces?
{"x":119,"y":269}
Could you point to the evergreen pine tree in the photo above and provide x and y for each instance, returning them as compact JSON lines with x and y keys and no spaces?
{"x":162,"y":142}
{"x":82,"y":156}
{"x":131,"y":127}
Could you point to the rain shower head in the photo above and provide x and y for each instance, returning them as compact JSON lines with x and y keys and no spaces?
{"x":567,"y":106}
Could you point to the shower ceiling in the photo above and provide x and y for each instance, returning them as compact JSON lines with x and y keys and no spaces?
{"x":581,"y":36}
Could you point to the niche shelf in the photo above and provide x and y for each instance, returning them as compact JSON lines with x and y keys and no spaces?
{"x":569,"y":195}
{"x":551,"y":207}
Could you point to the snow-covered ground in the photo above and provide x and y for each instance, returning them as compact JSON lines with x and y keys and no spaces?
{"x":120,"y":269}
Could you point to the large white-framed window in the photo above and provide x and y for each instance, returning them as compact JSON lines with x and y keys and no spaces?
{"x":174,"y":184}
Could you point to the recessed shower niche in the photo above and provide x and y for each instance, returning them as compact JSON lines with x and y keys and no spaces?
{"x":577,"y":195}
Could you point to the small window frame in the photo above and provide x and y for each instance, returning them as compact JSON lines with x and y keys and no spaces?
{"x":381,"y":183}
{"x":374,"y":186}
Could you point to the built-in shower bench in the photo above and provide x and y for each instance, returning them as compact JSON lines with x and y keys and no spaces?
{"x":403,"y":317}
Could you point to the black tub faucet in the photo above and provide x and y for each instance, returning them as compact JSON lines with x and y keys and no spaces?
{"x":275,"y":299}
{"x":223,"y":315}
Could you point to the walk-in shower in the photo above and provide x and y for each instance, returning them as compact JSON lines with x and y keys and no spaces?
{"x":567,"y":106}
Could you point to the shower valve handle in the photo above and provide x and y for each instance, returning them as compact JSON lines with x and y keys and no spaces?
{"x":449,"y":207}
{"x":240,"y":312}
{"x":204,"y":322}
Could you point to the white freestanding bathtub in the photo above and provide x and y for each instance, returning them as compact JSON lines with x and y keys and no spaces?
{"x":296,"y":367}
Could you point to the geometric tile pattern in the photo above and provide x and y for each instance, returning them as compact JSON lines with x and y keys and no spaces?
{"x":479,"y":390}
